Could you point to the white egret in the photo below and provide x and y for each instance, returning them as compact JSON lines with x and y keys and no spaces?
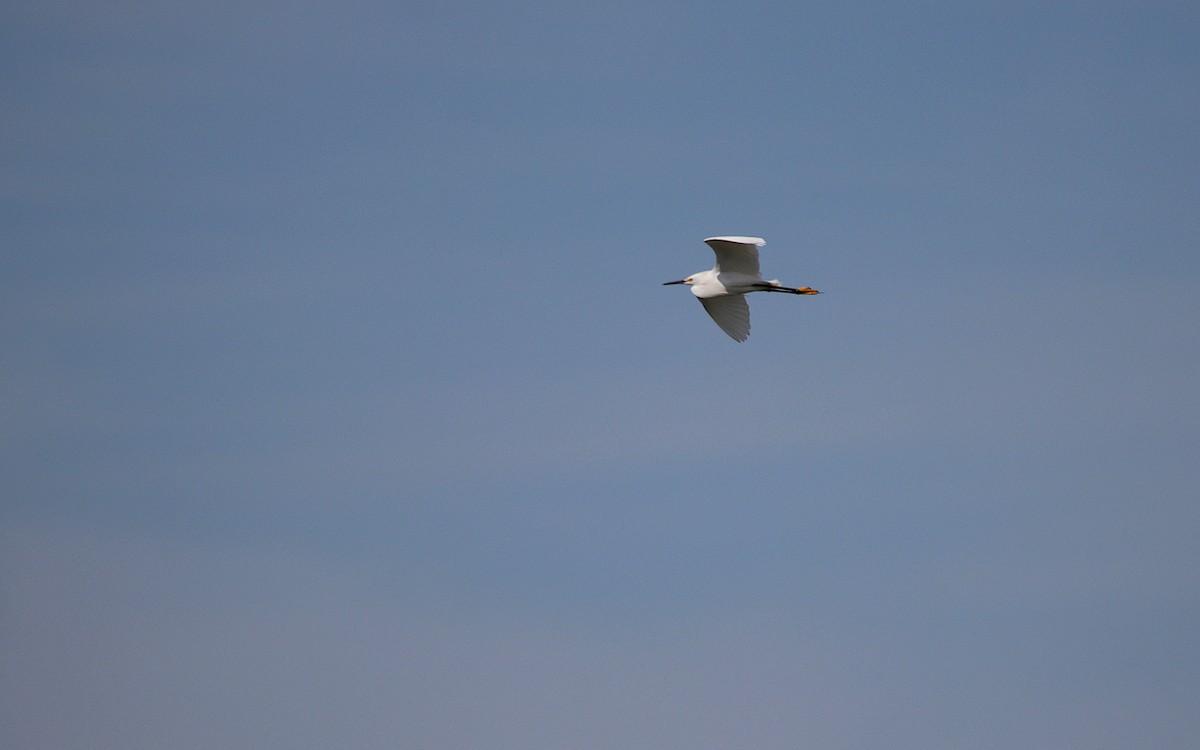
{"x":735,"y":274}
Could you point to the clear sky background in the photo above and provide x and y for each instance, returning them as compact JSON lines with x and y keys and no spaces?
{"x":343,"y":407}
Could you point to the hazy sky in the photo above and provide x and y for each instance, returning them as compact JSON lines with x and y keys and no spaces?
{"x":343,"y":405}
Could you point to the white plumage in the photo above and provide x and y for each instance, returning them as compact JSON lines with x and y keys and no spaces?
{"x":735,"y":274}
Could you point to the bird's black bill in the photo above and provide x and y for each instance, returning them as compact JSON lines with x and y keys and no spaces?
{"x":669,"y":283}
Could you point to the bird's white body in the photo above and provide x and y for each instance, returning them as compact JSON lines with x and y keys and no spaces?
{"x":735,"y":274}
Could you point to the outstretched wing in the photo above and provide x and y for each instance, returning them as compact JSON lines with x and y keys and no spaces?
{"x":736,"y":254}
{"x":731,"y":313}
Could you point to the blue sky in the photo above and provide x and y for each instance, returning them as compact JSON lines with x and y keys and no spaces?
{"x":343,"y":404}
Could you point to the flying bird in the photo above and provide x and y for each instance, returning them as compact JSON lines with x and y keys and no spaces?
{"x":735,"y":274}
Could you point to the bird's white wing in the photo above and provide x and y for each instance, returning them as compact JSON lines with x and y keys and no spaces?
{"x":736,"y":254}
{"x":731,"y":313}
